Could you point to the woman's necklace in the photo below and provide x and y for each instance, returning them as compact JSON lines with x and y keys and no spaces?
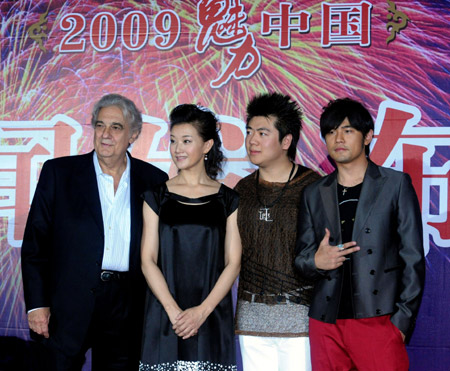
{"x":263,"y":212}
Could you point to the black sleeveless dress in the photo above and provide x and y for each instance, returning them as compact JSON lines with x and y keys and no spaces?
{"x":191,"y":258}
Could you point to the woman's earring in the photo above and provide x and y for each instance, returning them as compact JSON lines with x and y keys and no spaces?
{"x":206,"y":156}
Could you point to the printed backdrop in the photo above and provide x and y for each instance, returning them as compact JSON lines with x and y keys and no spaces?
{"x":59,"y":57}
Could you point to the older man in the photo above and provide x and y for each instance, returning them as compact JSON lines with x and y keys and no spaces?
{"x":80,"y":255}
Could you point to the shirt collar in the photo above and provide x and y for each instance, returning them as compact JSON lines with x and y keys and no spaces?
{"x":99,"y":171}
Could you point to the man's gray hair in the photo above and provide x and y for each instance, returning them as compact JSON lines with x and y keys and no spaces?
{"x":129,"y":111}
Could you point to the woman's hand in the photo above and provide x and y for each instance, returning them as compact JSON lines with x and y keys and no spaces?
{"x":189,"y":321}
{"x":173,"y":313}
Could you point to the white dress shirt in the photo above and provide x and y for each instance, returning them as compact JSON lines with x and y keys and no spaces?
{"x":116,"y":218}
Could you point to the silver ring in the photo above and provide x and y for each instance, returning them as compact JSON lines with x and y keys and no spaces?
{"x":340,"y":246}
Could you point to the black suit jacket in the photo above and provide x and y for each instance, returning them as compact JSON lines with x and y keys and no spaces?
{"x":62,"y":249}
{"x":388,"y":272}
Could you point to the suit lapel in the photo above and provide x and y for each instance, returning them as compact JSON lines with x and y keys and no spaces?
{"x":88,"y":187}
{"x":328,"y":195}
{"x":371,"y":189}
{"x":136,"y":188}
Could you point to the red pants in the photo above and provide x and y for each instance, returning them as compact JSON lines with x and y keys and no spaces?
{"x":367,"y":344}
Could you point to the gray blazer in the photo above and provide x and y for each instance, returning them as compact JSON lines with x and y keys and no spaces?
{"x":388,"y":272}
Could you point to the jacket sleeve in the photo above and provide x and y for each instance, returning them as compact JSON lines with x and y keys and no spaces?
{"x":37,"y":242}
{"x":306,"y":245}
{"x":409,"y":229}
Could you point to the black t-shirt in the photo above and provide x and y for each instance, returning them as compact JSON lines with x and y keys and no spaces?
{"x":348,"y":201}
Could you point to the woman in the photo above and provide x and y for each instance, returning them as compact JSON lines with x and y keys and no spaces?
{"x":191,"y":253}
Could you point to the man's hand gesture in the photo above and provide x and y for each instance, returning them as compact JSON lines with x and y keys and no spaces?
{"x":330,"y":257}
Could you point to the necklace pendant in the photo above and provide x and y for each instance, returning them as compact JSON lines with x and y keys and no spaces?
{"x":264,"y":214}
{"x":344,"y":191}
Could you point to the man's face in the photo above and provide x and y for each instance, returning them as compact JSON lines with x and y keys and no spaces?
{"x":346,"y":145}
{"x":262,"y":142}
{"x":112,"y":134}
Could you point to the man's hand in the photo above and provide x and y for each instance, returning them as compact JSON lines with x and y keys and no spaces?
{"x":331,"y":257}
{"x":189,"y":321}
{"x":38,"y":320}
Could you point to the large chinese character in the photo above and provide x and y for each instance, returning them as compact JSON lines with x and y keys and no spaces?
{"x":221,"y":23}
{"x":285,"y":22}
{"x":24,"y":147}
{"x":245,"y":62}
{"x":419,"y":151}
{"x":346,"y":24}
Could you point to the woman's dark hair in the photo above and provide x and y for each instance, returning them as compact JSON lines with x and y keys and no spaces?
{"x":208,"y":127}
{"x":340,"y":109}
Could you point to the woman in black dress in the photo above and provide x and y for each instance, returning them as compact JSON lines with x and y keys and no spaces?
{"x":191,"y":253}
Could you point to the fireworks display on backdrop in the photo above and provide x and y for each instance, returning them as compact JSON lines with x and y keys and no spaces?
{"x":37,"y":85}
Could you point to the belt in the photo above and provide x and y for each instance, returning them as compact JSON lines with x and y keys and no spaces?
{"x":106,"y":276}
{"x":282,"y":298}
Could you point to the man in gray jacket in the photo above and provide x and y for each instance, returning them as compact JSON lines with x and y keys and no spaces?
{"x":360,"y":240}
